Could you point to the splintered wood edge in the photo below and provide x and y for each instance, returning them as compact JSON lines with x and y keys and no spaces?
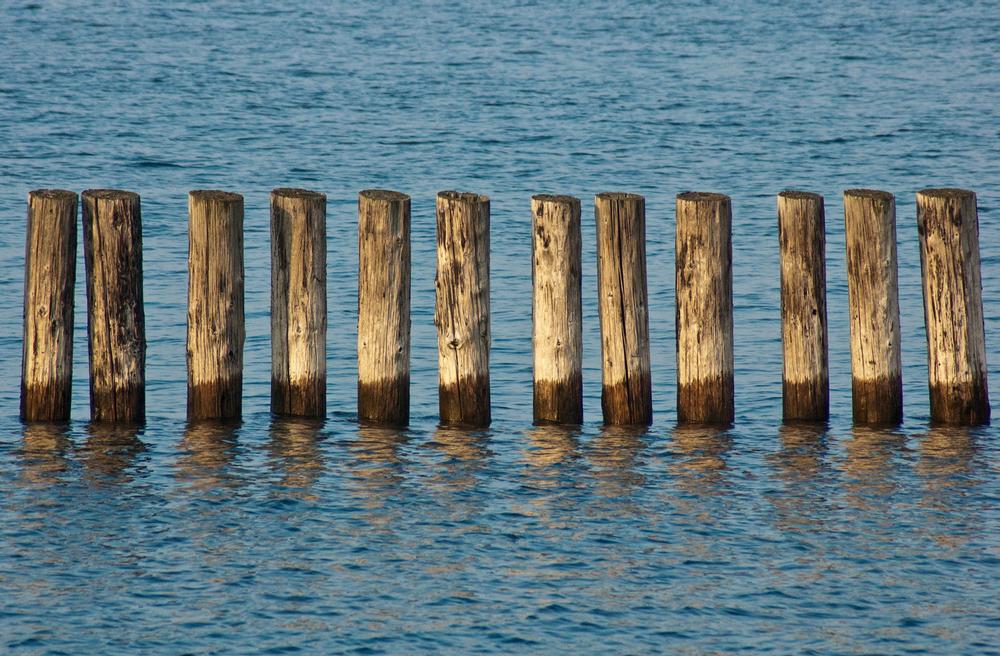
{"x":463,"y":196}
{"x":703,"y":197}
{"x":946,"y":193}
{"x":58,"y":194}
{"x":292,"y":192}
{"x":216,"y":195}
{"x":874,"y":194}
{"x":619,"y":196}
{"x":556,"y":198}
{"x":386,"y":195}
{"x":800,"y":195}
{"x":110,"y":194}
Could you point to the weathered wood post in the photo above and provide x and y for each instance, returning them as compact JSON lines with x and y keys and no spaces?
{"x":462,"y":309}
{"x":116,"y":324}
{"x":557,"y":310}
{"x":806,"y":376}
{"x":626,"y":395}
{"x":49,"y":278}
{"x":384,"y":307}
{"x":216,"y":330}
{"x":872,"y":289}
{"x":704,"y":284}
{"x":298,"y":303}
{"x":948,"y":223}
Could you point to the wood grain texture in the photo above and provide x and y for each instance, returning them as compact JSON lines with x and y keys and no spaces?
{"x":116,"y":323}
{"x":462,"y":308}
{"x":806,"y":374}
{"x":948,"y":223}
{"x":557,"y":309}
{"x":298,"y":303}
{"x":626,"y":395}
{"x":704,"y":323}
{"x":49,"y":280}
{"x":873,"y":297}
{"x":384,"y":307}
{"x":216,"y":330}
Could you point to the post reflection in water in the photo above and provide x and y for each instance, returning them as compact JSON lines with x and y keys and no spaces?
{"x":377,"y":462}
{"x":948,"y":468}
{"x":614,"y":458}
{"x":294,"y":451}
{"x":699,"y":462}
{"x":207,"y":451}
{"x":549,"y":445}
{"x":466,"y":451}
{"x":872,"y":466}
{"x":109,"y":452}
{"x":44,"y":453}
{"x":801,"y":464}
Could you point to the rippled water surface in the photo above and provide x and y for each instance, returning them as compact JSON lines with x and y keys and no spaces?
{"x":287,"y":536}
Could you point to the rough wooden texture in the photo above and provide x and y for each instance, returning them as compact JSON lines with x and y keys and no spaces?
{"x":462,"y":310}
{"x":876,"y":370}
{"x":49,"y":278}
{"x":806,"y":377}
{"x":298,"y":303}
{"x":557,"y":310}
{"x":216,"y":330}
{"x":948,"y":223}
{"x":384,"y":307}
{"x":626,"y":395}
{"x":116,"y":324}
{"x":704,"y":284}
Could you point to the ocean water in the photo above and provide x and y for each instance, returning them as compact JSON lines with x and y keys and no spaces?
{"x":297,"y":537}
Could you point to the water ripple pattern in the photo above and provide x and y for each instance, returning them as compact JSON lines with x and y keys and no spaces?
{"x":285,"y":536}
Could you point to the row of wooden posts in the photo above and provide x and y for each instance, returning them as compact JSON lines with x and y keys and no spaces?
{"x":112,"y":229}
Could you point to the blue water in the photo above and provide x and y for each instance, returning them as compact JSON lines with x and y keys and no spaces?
{"x":284,"y":537}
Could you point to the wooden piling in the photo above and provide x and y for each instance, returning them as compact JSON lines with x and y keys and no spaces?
{"x":384,"y":307}
{"x":557,"y":314}
{"x":116,"y":324}
{"x":704,"y":284}
{"x":948,"y":223}
{"x":876,"y":366}
{"x":216,"y":330}
{"x":626,"y":396}
{"x":802,"y":236}
{"x":49,"y":279}
{"x":298,"y":303}
{"x":462,"y":309}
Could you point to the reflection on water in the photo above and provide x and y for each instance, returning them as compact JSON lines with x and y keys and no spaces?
{"x":377,"y":460}
{"x":465,"y":454}
{"x":872,"y":465}
{"x":614,"y":458}
{"x":294,"y":450}
{"x":44,"y":454}
{"x":801,"y":464}
{"x":109,"y":452}
{"x":949,"y":468}
{"x":700,"y":453}
{"x":548,"y":445}
{"x":207,"y":451}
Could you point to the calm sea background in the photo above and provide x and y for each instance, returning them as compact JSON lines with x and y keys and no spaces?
{"x":284,"y":537}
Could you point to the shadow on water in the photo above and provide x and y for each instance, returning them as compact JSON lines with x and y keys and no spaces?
{"x":109,"y":452}
{"x":207,"y":451}
{"x":45,"y":453}
{"x":699,"y":461}
{"x":614,"y":457}
{"x":294,"y":451}
{"x":872,"y":465}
